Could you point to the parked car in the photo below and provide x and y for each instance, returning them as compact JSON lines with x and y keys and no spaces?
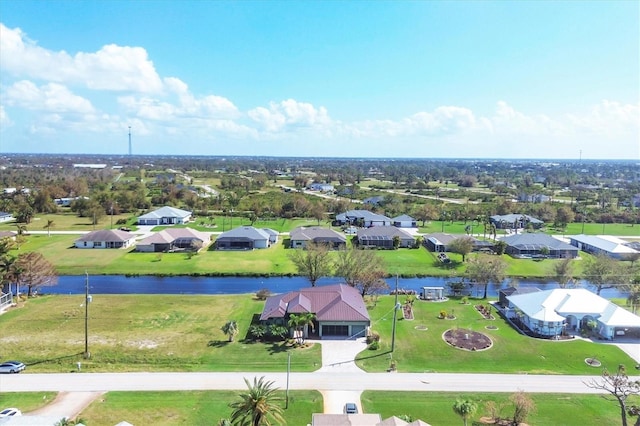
{"x":12,"y":367}
{"x":10,"y":412}
{"x":350,"y":408}
{"x":352,"y":230}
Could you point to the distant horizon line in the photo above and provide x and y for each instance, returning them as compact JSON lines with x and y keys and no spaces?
{"x":573,"y":160}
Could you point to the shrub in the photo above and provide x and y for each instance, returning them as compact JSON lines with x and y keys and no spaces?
{"x":443,"y":314}
{"x":262,"y":294}
{"x":374,"y":346}
{"x":373,"y":337}
{"x":465,"y":300}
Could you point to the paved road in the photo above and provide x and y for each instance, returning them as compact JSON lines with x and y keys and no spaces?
{"x":323,"y":381}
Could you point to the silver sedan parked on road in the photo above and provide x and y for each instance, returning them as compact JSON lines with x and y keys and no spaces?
{"x":12,"y":367}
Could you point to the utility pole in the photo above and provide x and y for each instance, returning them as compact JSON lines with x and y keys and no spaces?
{"x":286,"y":399}
{"x":395,"y":313}
{"x":86,"y":317}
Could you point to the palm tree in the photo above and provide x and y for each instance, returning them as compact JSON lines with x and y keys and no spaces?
{"x":230,"y":329}
{"x":300,"y":322}
{"x":258,"y":406}
{"x":465,"y":409}
{"x":48,"y":226}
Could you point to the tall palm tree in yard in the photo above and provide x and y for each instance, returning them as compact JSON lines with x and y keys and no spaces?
{"x":299,"y":322}
{"x":258,"y":406}
{"x":465,"y":408}
{"x":48,"y":226}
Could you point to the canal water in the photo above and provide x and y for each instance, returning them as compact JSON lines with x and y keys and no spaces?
{"x":121,"y":284}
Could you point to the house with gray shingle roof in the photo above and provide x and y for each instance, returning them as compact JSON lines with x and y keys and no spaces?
{"x":363,"y":218}
{"x":172,"y":239}
{"x":515,"y":221}
{"x":301,"y":236}
{"x":106,"y":238}
{"x":533,"y":245}
{"x":382,"y":237}
{"x":244,"y":238}
{"x":6,"y":217}
{"x":165,"y":216}
{"x":404,"y":221}
{"x":339,"y":309}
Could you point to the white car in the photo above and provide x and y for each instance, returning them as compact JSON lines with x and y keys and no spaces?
{"x":12,"y":367}
{"x":10,"y":412}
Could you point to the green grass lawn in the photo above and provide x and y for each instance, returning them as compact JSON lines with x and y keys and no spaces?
{"x":187,"y":408}
{"x":25,"y":401}
{"x":59,"y":250}
{"x":143,"y":333}
{"x":551,"y":409}
{"x":66,"y":220}
{"x":425,"y":350}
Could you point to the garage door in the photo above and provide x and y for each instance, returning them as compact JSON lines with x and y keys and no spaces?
{"x":358,"y":331}
{"x":335,"y":330}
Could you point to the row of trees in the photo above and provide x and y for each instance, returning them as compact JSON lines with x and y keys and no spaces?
{"x":362,"y":269}
{"x":29,"y":270}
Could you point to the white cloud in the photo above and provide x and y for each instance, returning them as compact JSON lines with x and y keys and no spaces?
{"x":52,"y":97}
{"x":118,"y":68}
{"x":290,"y":114}
{"x":5,"y":121}
{"x":186,"y":105}
{"x":608,"y":117}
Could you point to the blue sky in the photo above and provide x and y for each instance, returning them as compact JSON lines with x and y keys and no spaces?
{"x":503,"y":79}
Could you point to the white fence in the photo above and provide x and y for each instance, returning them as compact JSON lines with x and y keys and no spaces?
{"x":6,"y":300}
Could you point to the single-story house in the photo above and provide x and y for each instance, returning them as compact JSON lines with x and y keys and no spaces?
{"x":339,"y":309}
{"x":300,"y":236}
{"x":165,"y":216}
{"x":66,"y":201}
{"x":322,"y":187}
{"x":273,"y":235}
{"x":613,"y":247}
{"x":244,"y":238}
{"x":363,"y":218}
{"x":374,"y":201}
{"x":382,"y":236}
{"x":6,"y":217}
{"x":524,"y":246}
{"x":106,"y":238}
{"x":404,"y":221}
{"x":524,"y":197}
{"x":515,"y":221}
{"x":549,"y":312}
{"x":172,"y":239}
{"x":512,"y":291}
{"x":438,"y":242}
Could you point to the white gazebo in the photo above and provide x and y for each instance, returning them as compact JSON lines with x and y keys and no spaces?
{"x":432,"y":293}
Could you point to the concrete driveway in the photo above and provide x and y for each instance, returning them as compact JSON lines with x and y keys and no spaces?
{"x":338,"y":358}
